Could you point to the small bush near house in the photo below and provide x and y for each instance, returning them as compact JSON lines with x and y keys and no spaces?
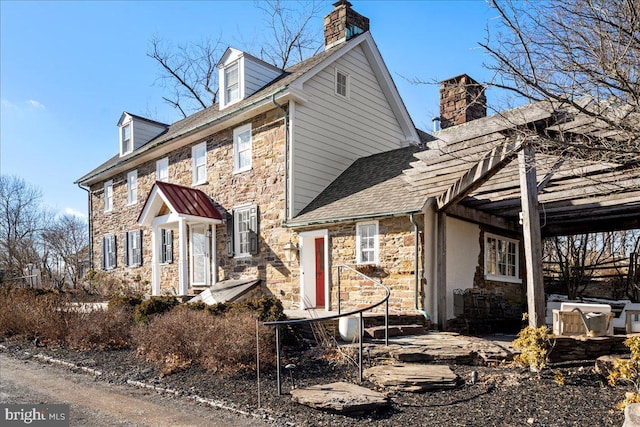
{"x":104,"y":284}
{"x":628,"y":371}
{"x":30,"y":314}
{"x":101,"y":329}
{"x":128,"y":301}
{"x":268,"y":309}
{"x":225,"y":344}
{"x":534,"y":345}
{"x":154,"y":306}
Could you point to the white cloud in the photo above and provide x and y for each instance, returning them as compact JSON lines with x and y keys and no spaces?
{"x":71,"y":211}
{"x":7,"y":104}
{"x":36,"y":104}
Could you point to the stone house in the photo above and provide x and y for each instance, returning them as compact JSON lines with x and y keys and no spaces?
{"x":298,"y":172}
{"x":214,"y":197}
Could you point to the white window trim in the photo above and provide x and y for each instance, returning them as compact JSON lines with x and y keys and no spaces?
{"x":376,"y":244}
{"x":106,"y":254}
{"x":499,"y":277}
{"x":236,"y":231}
{"x":347,"y":94}
{"x":132,"y":190}
{"x":223,"y":83}
{"x":162,"y":164}
{"x":194,"y":165}
{"x":122,"y":128}
{"x":108,"y":196}
{"x":236,"y":153}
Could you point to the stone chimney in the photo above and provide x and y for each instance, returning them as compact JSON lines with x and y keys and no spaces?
{"x":462,"y":99}
{"x":342,"y":24}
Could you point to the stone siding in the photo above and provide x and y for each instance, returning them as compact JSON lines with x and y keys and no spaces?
{"x":263,"y":186}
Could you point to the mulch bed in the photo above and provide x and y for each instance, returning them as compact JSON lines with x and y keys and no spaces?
{"x":501,"y":396}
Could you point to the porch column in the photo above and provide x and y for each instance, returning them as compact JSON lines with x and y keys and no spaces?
{"x":183,"y":265}
{"x":532,"y":235}
{"x":441,"y":256}
{"x":155,"y":267}
{"x":214,"y":257}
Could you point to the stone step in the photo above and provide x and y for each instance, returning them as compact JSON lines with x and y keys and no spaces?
{"x":418,"y":354}
{"x":412,"y":377}
{"x":377,"y":332}
{"x":340,"y":397}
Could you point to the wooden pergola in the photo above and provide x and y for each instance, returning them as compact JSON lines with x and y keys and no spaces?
{"x":517,"y":172}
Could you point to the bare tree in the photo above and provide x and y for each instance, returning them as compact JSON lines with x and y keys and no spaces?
{"x":66,"y":240}
{"x":22,"y":220}
{"x":584,"y":54}
{"x":190,"y":70}
{"x":290,"y":31}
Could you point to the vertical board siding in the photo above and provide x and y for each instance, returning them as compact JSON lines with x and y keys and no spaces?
{"x":332,"y":132}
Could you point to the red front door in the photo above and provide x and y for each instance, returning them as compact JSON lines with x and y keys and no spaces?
{"x":320,"y":272}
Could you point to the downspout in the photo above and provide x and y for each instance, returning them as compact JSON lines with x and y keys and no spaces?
{"x":416,"y":269}
{"x":286,"y":156}
{"x":89,"y":206}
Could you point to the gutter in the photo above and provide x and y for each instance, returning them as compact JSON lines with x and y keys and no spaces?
{"x":286,"y":157}
{"x":320,"y":222}
{"x":89,"y":206}
{"x":147,"y":149}
{"x":416,"y":270}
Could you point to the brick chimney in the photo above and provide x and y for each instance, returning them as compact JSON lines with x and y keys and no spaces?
{"x":462,"y":99}
{"x":342,"y":24}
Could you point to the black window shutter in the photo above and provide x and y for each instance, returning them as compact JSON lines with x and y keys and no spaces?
{"x":125,"y":249}
{"x":104,"y":252}
{"x":253,"y":230}
{"x":114,"y":251}
{"x":138,"y":257}
{"x":229,"y":234}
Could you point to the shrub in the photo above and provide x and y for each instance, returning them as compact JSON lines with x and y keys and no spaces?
{"x":28,"y":314}
{"x":128,"y":301}
{"x":105,"y":284}
{"x":184,"y":337}
{"x":628,"y":371}
{"x":267,"y":309}
{"x":534,"y":345}
{"x":101,"y":329}
{"x":154,"y":306}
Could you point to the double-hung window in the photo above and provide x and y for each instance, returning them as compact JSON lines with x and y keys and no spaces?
{"x":231,"y":84}
{"x":162,"y":170}
{"x":367,"y":243}
{"x":242,"y":231}
{"x":242,"y":148}
{"x":166,"y":246}
{"x":501,"y":258}
{"x":199,"y":159}
{"x":109,"y":252}
{"x":108,"y":196}
{"x":132,"y":187}
{"x":133,"y":248}
{"x":125,"y":137}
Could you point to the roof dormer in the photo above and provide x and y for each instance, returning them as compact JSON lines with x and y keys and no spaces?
{"x":241,"y":75}
{"x":135,"y":131}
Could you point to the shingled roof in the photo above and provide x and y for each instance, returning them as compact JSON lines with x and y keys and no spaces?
{"x":213,"y":114}
{"x":371,"y":187}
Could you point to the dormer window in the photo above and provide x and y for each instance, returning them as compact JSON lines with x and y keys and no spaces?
{"x":232,"y":83}
{"x":126,"y":140}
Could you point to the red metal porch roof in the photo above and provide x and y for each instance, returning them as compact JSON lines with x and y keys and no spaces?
{"x":189,"y":201}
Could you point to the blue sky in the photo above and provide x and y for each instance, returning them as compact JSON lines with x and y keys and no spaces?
{"x":69,"y":69}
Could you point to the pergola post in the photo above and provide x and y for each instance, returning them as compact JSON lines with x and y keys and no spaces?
{"x":442,"y":270}
{"x":532,"y":235}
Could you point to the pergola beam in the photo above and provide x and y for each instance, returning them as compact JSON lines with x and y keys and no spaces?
{"x":479,"y":173}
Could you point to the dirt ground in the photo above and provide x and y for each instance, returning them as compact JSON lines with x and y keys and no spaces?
{"x":502,"y":396}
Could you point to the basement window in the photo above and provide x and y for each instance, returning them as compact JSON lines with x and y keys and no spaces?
{"x":501,"y":259}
